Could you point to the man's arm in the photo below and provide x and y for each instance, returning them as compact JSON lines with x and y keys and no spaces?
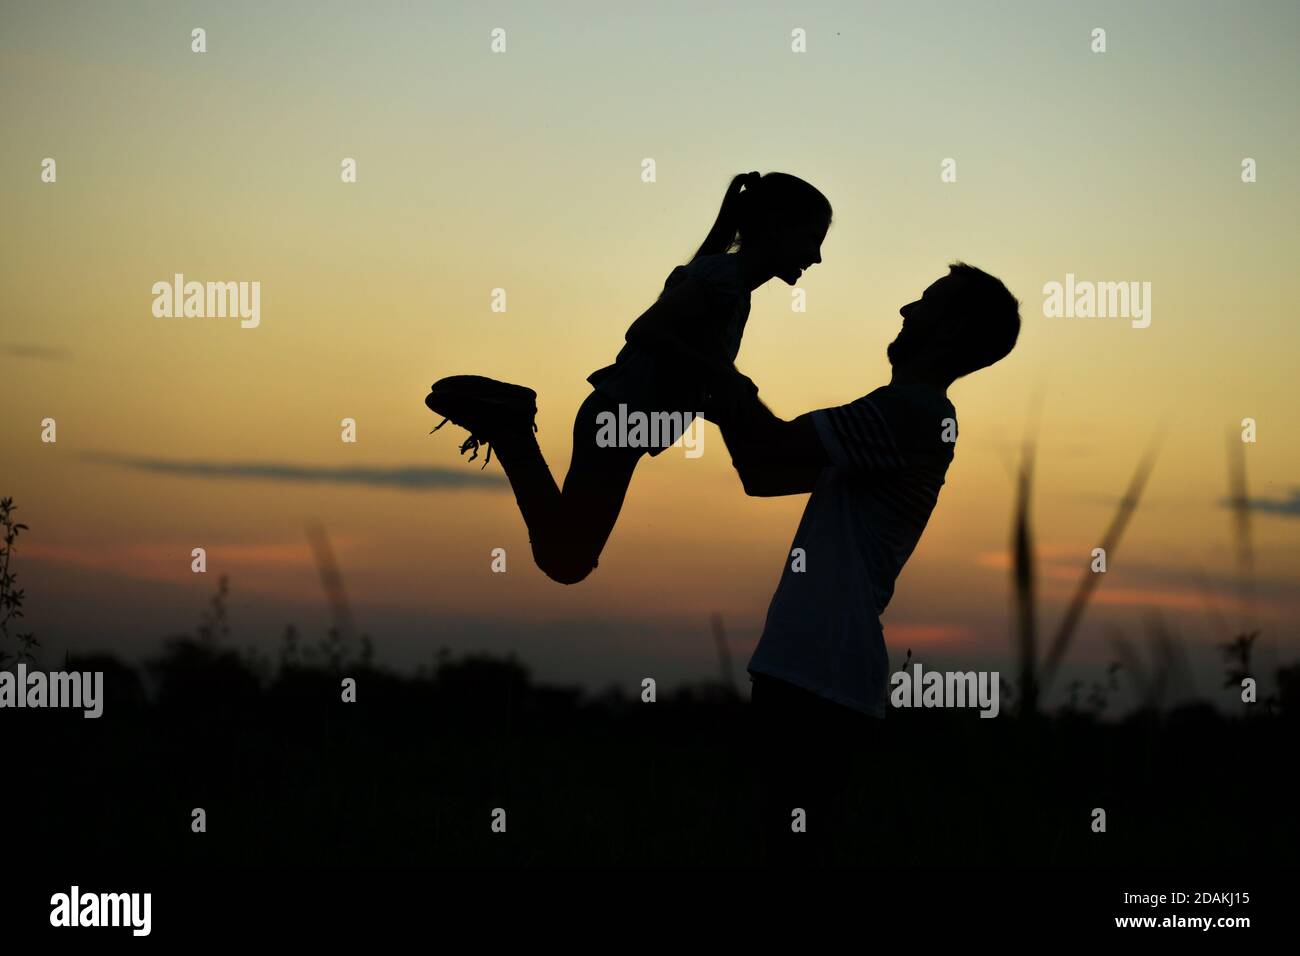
{"x":772,"y":456}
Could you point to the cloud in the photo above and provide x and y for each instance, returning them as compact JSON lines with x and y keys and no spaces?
{"x":1273,"y":506}
{"x":1054,"y":560}
{"x":37,"y":352}
{"x":264,"y":567}
{"x":1169,"y":598}
{"x":928,"y":635}
{"x":407,"y":477}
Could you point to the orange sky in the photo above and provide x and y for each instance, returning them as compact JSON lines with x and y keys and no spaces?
{"x":522,"y":171}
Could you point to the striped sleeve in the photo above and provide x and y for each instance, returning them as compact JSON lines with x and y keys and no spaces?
{"x":857,"y":436}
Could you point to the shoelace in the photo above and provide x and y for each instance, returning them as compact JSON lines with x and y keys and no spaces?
{"x":472,"y":443}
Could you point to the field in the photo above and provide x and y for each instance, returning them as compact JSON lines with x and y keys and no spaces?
{"x":411,"y":772}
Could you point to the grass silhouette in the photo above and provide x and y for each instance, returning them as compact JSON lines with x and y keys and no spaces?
{"x":410,"y":773}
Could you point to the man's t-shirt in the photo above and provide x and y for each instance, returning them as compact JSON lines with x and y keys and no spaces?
{"x":889,"y":452}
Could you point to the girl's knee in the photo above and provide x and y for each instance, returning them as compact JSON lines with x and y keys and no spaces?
{"x":564,"y":567}
{"x":568,"y":573}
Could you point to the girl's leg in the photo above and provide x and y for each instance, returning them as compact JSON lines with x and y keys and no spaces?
{"x":568,"y":528}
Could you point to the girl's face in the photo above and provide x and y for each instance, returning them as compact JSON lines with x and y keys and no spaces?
{"x":789,"y":253}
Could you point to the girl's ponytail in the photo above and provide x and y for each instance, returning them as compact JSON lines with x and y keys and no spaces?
{"x":723,"y":234}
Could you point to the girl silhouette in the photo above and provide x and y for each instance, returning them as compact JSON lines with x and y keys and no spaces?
{"x":767,"y":227}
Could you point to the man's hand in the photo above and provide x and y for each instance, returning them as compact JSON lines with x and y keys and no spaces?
{"x":730,"y":394}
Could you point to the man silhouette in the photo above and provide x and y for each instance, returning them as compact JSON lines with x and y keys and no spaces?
{"x":874,"y":468}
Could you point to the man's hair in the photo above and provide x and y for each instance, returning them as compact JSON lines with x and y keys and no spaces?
{"x":988,"y":320}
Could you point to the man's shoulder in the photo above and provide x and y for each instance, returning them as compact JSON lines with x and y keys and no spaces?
{"x":916,"y":418}
{"x":905,"y":402}
{"x":911,"y":396}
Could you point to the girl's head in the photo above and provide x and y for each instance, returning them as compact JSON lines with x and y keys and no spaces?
{"x":778,"y":220}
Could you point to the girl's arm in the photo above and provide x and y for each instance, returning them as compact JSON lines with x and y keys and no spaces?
{"x":772,"y":456}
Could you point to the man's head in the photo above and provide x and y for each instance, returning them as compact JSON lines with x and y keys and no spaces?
{"x":965,"y":321}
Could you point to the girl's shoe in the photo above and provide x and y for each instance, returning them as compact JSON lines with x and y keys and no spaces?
{"x":482,"y":406}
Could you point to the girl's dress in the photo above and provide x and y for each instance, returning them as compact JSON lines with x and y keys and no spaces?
{"x":651,"y":380}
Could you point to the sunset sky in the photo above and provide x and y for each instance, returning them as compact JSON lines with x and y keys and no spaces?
{"x":522,"y":170}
